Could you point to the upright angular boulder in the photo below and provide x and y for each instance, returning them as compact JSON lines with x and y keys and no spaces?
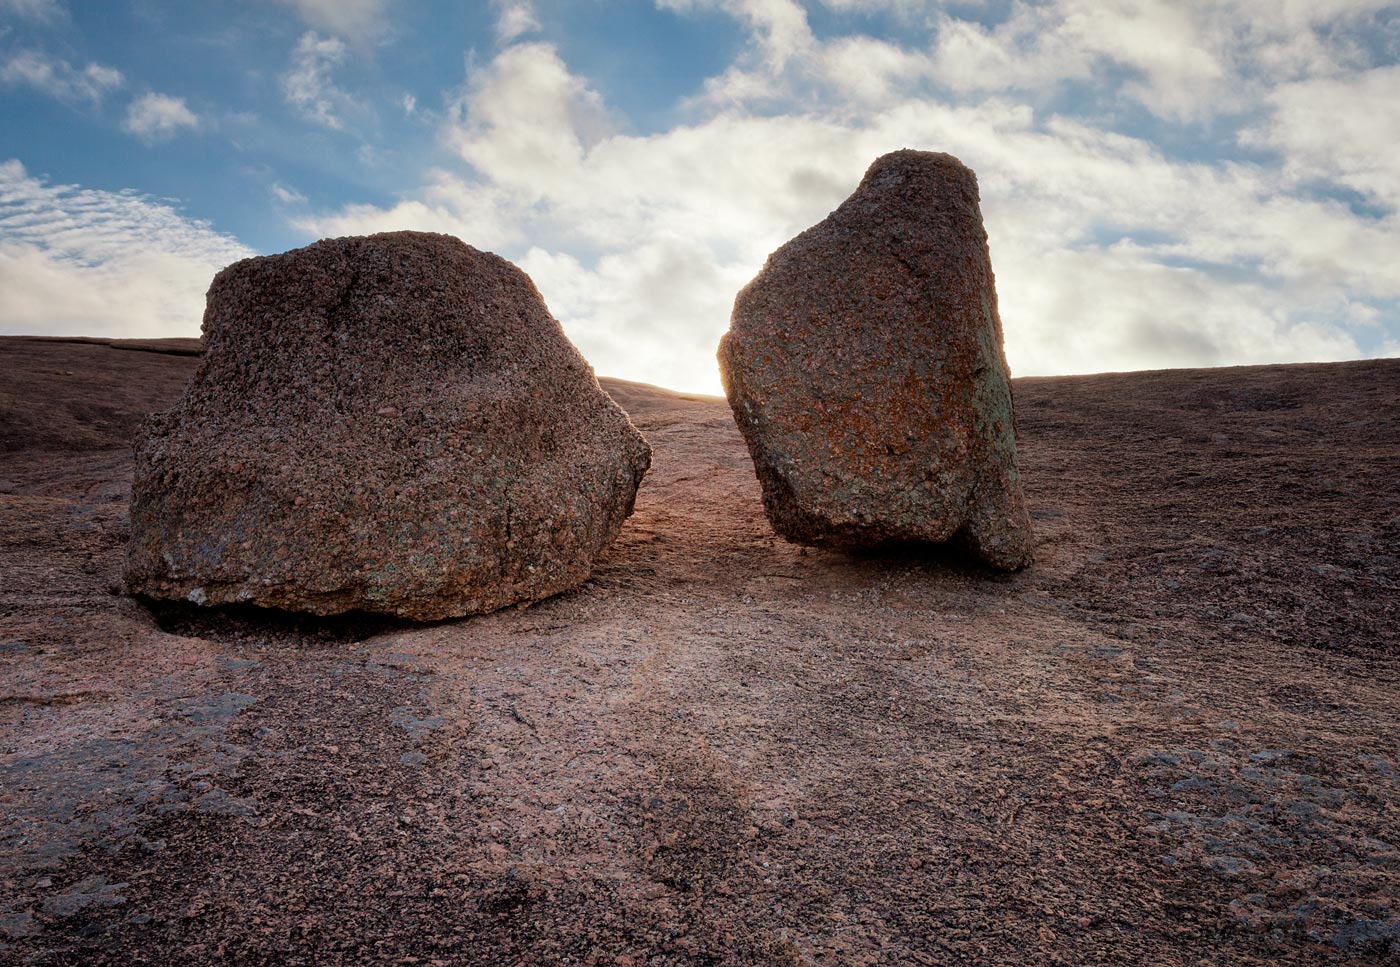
{"x":865,"y":369}
{"x":392,"y":423}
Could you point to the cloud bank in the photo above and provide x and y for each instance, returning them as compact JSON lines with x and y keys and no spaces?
{"x":1111,"y":252}
{"x":1165,"y":182}
{"x":82,"y":262}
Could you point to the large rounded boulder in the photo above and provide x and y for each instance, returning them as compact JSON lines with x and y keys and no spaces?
{"x":864,"y":366}
{"x":393,"y":423}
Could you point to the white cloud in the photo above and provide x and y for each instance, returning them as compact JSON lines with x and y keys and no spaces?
{"x":58,"y":78}
{"x":1121,"y":308}
{"x":514,"y":19}
{"x":871,"y":71}
{"x":1178,"y":65}
{"x":527,"y":117}
{"x":409,"y":103}
{"x":779,"y":26}
{"x":77,"y":261}
{"x":779,"y":37}
{"x":479,"y":215}
{"x":158,"y":117}
{"x":1187,"y":60}
{"x":906,"y":10}
{"x":41,"y":11}
{"x":1339,"y":129}
{"x":1110,"y":253}
{"x":615,"y":310}
{"x":354,"y":20}
{"x":286,"y":196}
{"x":308,"y":85}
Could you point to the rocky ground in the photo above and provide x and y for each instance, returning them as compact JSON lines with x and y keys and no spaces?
{"x":1174,"y":740}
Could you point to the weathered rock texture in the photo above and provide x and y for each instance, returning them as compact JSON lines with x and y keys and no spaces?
{"x":911,"y":752}
{"x":864,"y":366}
{"x":392,"y":423}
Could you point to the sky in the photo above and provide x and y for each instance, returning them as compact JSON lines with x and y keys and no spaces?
{"x":1165,"y":183}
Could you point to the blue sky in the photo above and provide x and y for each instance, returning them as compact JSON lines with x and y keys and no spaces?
{"x":1165,"y":182}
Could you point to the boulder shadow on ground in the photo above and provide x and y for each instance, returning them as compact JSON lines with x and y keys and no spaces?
{"x":246,"y":623}
{"x":949,"y":556}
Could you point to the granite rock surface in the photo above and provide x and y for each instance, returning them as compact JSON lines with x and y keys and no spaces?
{"x":864,"y":366}
{"x":1171,"y":742}
{"x":392,"y":423}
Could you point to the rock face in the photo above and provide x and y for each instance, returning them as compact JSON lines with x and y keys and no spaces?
{"x":392,"y":423}
{"x":864,"y":366}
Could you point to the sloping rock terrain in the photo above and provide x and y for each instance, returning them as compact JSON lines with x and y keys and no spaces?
{"x":1170,"y":741}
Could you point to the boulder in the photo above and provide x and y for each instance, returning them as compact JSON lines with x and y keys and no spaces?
{"x":393,"y":423}
{"x":864,"y":366}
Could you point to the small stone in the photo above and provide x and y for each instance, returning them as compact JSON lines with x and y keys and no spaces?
{"x":18,"y":924}
{"x":1232,"y":866}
